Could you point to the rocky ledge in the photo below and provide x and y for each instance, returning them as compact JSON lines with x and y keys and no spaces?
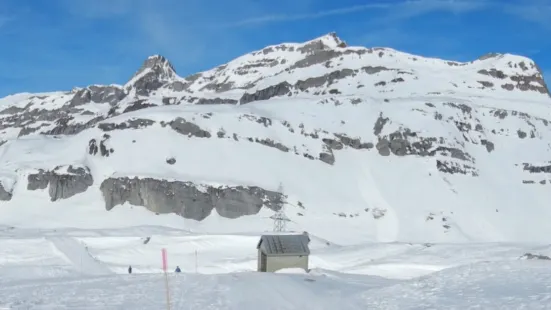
{"x":192,"y":201}
{"x":63,"y":181}
{"x":5,"y":195}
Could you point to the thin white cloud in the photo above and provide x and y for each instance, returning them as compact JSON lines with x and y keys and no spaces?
{"x":171,"y":37}
{"x":393,"y":10}
{"x":314,"y":15}
{"x":99,"y":8}
{"x":409,"y":9}
{"x":535,"y":11}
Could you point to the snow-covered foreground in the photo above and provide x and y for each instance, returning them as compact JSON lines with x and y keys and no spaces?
{"x":514,"y":285}
{"x":87,"y":269}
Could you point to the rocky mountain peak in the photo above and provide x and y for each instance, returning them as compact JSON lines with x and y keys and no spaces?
{"x":333,"y":39}
{"x":155,"y":71}
{"x":325,"y":42}
{"x":158,"y":61}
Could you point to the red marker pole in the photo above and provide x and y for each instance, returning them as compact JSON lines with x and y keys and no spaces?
{"x":165,"y":263}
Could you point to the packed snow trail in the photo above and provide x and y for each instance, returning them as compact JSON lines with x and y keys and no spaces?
{"x":79,"y":256}
{"x":388,"y":229}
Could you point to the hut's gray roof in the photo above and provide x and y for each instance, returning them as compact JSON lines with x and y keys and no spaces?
{"x":281,"y":245}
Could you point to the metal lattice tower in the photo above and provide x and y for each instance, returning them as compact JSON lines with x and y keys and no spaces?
{"x":280,"y":219}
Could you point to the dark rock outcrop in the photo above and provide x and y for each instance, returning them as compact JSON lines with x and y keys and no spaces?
{"x":5,"y":195}
{"x":380,"y":124}
{"x":216,"y":101}
{"x":498,"y":74}
{"x":138,"y":105}
{"x":129,"y":124}
{"x":333,"y":144}
{"x":272,"y":143}
{"x":31,"y":119}
{"x":277,"y":90}
{"x":97,"y":94}
{"x":171,"y":161}
{"x":155,"y":72}
{"x":192,"y":201}
{"x":530,"y":83}
{"x":63,"y":127}
{"x":326,"y":79}
{"x":354,"y":143}
{"x":328,"y":158}
{"x":488,"y":144}
{"x":62,"y":185}
{"x":535,"y":256}
{"x":104,"y":150}
{"x":399,"y":144}
{"x":184,"y":127}
{"x":537,"y":169}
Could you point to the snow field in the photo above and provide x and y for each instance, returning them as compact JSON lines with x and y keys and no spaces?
{"x":87,"y":270}
{"x":476,"y":208}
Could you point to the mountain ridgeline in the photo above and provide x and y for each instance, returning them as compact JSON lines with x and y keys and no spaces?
{"x":353,"y":133}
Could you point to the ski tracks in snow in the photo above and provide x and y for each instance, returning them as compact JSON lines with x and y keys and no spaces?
{"x":79,"y":256}
{"x":388,"y":226}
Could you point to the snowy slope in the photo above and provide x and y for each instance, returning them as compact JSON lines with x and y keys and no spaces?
{"x":514,"y":286}
{"x":379,"y":144}
{"x":86,"y":269}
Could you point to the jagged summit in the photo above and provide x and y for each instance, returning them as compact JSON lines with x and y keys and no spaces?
{"x":330,"y":40}
{"x":158,"y":61}
{"x":155,"y":71}
{"x":327,"y":65}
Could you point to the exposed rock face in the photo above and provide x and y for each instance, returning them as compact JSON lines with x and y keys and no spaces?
{"x":537,"y":169}
{"x":62,"y":184}
{"x":102,"y":147}
{"x":97,"y":94}
{"x":171,"y":161}
{"x":155,"y":72}
{"x":130,"y":124}
{"x":522,"y":82}
{"x":535,"y":256}
{"x":184,"y":127}
{"x":280,"y":89}
{"x":379,"y":124}
{"x":216,"y":101}
{"x":488,"y":144}
{"x":138,"y":105}
{"x":31,"y":119}
{"x":284,"y":88}
{"x":63,"y":127}
{"x":399,"y":144}
{"x":5,"y":195}
{"x":327,"y":157}
{"x":271,"y":143}
{"x":188,"y":199}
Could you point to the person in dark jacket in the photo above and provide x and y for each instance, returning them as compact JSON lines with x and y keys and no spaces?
{"x":129,"y":269}
{"x":178,"y":269}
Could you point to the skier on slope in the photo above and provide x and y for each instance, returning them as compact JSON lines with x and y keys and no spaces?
{"x":129,"y":269}
{"x":178,"y":269}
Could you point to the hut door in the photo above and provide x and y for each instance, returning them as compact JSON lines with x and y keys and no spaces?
{"x":263,"y":261}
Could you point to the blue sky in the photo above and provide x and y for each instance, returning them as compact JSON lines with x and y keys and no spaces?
{"x":58,"y":44}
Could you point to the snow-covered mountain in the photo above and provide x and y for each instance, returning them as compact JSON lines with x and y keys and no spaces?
{"x":379,"y":144}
